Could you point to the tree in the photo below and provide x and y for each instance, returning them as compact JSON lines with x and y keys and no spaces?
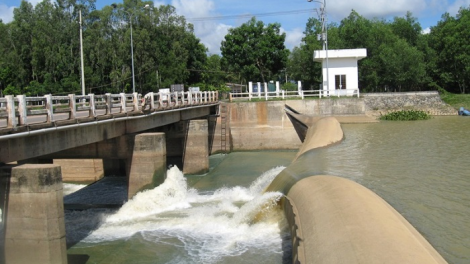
{"x":255,"y":50}
{"x":449,"y":39}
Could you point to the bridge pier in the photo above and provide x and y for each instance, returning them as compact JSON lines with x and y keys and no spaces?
{"x":147,"y":165}
{"x":33,"y":214}
{"x":196,"y":152}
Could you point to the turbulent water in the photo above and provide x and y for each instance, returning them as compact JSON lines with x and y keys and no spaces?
{"x":176,"y":224}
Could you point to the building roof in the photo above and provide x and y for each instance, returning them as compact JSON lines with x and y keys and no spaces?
{"x":320,"y":55}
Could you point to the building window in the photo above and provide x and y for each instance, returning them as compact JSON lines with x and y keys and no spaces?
{"x":340,"y":82}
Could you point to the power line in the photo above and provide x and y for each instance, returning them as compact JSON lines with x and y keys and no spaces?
{"x":282,"y":13}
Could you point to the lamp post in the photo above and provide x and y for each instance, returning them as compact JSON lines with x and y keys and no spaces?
{"x":81,"y":53}
{"x":324,"y":37}
{"x":132,"y":54}
{"x":132,"y":48}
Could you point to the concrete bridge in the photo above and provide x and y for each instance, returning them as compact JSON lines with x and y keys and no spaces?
{"x":133,"y":134}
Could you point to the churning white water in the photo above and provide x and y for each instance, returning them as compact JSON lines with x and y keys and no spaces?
{"x":201,"y":228}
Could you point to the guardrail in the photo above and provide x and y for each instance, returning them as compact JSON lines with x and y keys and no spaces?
{"x":17,"y":110}
{"x":293,"y":94}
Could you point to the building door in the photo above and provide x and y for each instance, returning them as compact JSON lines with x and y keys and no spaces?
{"x":340,"y":82}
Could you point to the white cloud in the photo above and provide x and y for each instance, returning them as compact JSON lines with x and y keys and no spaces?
{"x":454,"y":8}
{"x":6,"y":13}
{"x":210,"y":32}
{"x":293,"y":37}
{"x":426,"y":31}
{"x":374,"y":8}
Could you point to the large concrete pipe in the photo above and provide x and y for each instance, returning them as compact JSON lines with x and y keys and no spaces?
{"x":335,"y":220}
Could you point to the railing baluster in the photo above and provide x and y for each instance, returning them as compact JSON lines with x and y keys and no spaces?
{"x":72,"y":106}
{"x":22,"y":111}
{"x":92,"y":111}
{"x":123,"y":103}
{"x":12,"y":122}
{"x":49,"y":108}
{"x":135,"y":101}
{"x":109,"y":104}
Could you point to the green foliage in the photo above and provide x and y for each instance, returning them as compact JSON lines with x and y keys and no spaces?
{"x":41,"y":47}
{"x":255,"y":50}
{"x":289,"y":86}
{"x":449,"y":38}
{"x":11,"y":90}
{"x":399,"y":56}
{"x":406,"y":115}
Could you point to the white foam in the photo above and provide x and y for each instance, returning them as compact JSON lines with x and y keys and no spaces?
{"x":262,"y":182}
{"x":209,"y":227}
{"x":69,"y":188}
{"x":170,"y":195}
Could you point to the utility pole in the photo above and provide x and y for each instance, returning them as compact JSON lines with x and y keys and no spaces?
{"x":81,"y":53}
{"x":324,"y":38}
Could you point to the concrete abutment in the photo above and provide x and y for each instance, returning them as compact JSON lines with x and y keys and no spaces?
{"x":33,"y":215}
{"x":147,"y":165}
{"x":196,"y":153}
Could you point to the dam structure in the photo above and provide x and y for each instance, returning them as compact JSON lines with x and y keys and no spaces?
{"x":137,"y":135}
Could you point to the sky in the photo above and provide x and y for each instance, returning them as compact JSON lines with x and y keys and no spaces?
{"x":213,"y":18}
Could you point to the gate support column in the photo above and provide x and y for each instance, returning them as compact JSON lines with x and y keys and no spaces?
{"x":147,"y":168}
{"x":196,"y":152}
{"x":34,"y":226}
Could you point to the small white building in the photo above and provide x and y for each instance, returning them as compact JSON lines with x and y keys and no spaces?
{"x":339,"y":69}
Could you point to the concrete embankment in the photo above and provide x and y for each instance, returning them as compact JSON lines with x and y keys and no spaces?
{"x":335,"y":220}
{"x":265,"y":126}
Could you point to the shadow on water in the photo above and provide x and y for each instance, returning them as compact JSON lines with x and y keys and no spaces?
{"x":85,"y":208}
{"x":77,"y":258}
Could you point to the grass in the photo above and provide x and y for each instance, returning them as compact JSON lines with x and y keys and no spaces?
{"x":456,"y":100}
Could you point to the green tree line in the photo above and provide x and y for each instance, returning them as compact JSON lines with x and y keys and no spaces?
{"x":41,"y":51}
{"x":400,"y":57}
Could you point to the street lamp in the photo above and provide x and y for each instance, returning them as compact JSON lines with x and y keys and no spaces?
{"x":81,"y":53}
{"x":324,"y":37}
{"x":132,"y":48}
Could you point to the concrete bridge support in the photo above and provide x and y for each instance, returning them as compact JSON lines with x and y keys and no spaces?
{"x":34,"y":228}
{"x":196,"y":153}
{"x":147,"y":165}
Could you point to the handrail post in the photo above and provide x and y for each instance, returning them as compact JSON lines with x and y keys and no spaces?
{"x":72,"y":106}
{"x":22,"y":111}
{"x":160,"y":101}
{"x":92,"y":111}
{"x":12,"y":122}
{"x":135,"y":101}
{"x":123,"y":103}
{"x":109,"y":104}
{"x":190,"y":98}
{"x":152,"y":101}
{"x":49,"y":108}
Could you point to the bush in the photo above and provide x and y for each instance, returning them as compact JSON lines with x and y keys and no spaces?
{"x":289,"y":86}
{"x":406,"y":115}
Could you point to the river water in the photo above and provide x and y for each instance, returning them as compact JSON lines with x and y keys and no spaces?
{"x":421,"y":168}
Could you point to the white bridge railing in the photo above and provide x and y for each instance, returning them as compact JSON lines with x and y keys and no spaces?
{"x":18,"y":110}
{"x":282,"y":94}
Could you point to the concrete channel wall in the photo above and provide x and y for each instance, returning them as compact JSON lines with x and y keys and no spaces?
{"x":265,"y":126}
